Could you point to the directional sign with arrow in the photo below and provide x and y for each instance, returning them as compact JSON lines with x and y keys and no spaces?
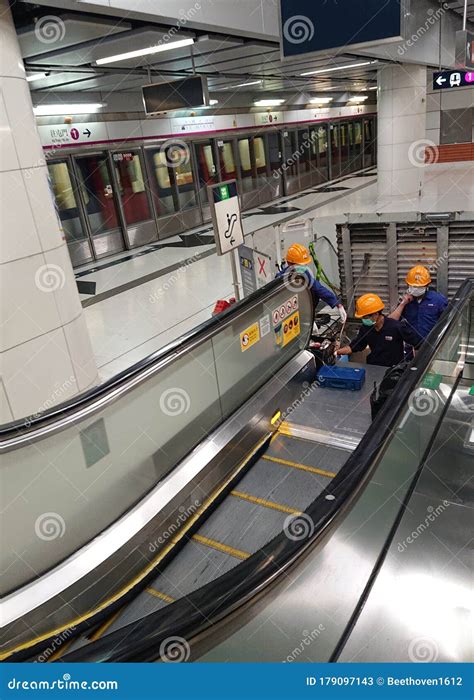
{"x":87,"y":133}
{"x":447,"y":79}
{"x":226,"y":218}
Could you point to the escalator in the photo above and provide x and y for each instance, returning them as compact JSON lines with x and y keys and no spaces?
{"x":265,"y":476}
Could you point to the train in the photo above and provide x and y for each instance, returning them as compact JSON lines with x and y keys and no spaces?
{"x":118,"y":195}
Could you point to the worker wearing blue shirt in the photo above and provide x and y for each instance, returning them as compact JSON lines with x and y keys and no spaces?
{"x":383,"y":335}
{"x":297,"y":260}
{"x":421,"y":307}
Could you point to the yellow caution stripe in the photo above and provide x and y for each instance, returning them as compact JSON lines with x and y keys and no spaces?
{"x":296,"y":465}
{"x":221,"y":547}
{"x":105,"y":626}
{"x":160,"y":595}
{"x":267,"y":504}
{"x":62,"y":650}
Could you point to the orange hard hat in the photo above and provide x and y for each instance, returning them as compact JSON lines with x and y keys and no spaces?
{"x":418,"y":276}
{"x":298,"y":254}
{"x":368,"y":304}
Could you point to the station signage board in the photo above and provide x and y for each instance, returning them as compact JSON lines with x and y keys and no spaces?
{"x":449,"y":79}
{"x":226,"y":216}
{"x":309,"y":27}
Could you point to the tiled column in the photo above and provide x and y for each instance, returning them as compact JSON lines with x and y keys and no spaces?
{"x":401,"y":135}
{"x":46,"y":355}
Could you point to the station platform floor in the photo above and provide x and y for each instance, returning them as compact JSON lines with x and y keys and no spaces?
{"x":147,"y":297}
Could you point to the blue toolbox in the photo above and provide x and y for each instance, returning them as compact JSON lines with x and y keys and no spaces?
{"x":337,"y":377}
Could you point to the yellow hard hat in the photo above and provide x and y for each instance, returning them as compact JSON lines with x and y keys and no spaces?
{"x":298,"y":254}
{"x":418,"y":276}
{"x":368,"y":304}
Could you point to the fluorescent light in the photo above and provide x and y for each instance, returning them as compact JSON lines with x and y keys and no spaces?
{"x":348,"y":65}
{"x":268,"y":103}
{"x":252,"y":82}
{"x":358,"y":98}
{"x":213,"y":102}
{"x":145,"y":52}
{"x":373,"y":88}
{"x":321,"y":100}
{"x":43,"y":110}
{"x":36,"y":76}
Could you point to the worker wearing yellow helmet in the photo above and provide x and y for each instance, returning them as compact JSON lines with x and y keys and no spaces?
{"x":421,"y":306}
{"x":298,"y":259}
{"x":383,"y":335}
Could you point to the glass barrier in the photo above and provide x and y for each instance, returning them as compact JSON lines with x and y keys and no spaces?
{"x":69,"y":486}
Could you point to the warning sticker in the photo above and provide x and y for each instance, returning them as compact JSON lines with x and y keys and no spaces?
{"x":249,"y":337}
{"x":264,"y":326}
{"x":288,"y":330}
{"x":285,"y":310}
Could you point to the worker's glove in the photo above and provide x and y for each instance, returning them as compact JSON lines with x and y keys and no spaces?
{"x":342,"y":313}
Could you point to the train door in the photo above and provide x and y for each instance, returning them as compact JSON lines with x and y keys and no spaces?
{"x":344,"y":148}
{"x":173,"y":187}
{"x":99,"y":202}
{"x":69,"y":212}
{"x":275,"y":160}
{"x":355,"y":138}
{"x":248,"y":177}
{"x":290,"y":161}
{"x":335,"y":152}
{"x":134,"y":198}
{"x":262,"y":169}
{"x":323,"y":155}
{"x":207,"y":173}
{"x":369,"y":142}
{"x":304,"y":159}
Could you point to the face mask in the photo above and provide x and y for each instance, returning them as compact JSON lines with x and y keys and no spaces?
{"x":368,"y":322}
{"x":416,"y":291}
{"x":301,"y":269}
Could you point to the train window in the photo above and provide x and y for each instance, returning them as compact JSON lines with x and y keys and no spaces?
{"x":160,"y":182}
{"x":207,"y":172}
{"x":179,"y":158}
{"x":227,"y":160}
{"x":245,"y":165}
{"x":65,"y":199}
{"x":132,"y":187}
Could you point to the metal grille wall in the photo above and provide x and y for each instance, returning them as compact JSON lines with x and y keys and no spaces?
{"x":460,"y":254}
{"x":375,"y":257}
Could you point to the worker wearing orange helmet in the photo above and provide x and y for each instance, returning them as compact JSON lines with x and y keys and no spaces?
{"x":383,"y":335}
{"x":421,"y":307}
{"x":298,"y":259}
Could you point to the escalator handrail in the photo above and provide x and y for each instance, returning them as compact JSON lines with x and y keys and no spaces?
{"x":26,"y":430}
{"x":189,"y":616}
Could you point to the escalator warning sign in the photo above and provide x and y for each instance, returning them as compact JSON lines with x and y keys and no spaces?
{"x":249,"y":337}
{"x":288,"y":330}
